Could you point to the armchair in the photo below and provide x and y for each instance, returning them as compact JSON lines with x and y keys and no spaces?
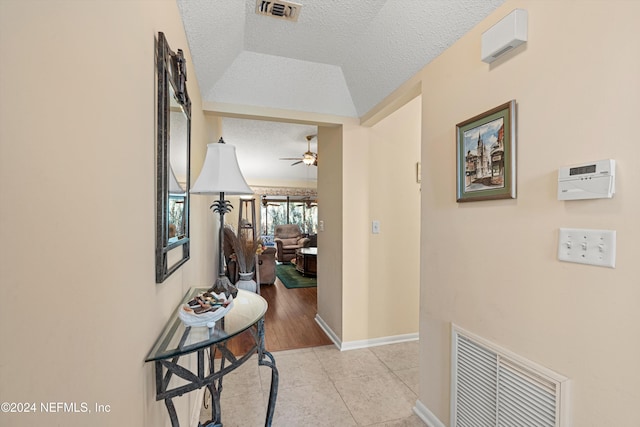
{"x":289,"y":238}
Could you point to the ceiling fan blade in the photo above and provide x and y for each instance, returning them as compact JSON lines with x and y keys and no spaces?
{"x":306,"y":156}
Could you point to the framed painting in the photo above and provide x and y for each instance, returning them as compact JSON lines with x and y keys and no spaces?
{"x":486,"y":155}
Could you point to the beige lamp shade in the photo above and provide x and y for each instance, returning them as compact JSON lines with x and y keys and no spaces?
{"x":220,"y":172}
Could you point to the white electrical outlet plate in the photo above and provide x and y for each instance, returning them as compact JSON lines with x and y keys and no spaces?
{"x":594,"y":247}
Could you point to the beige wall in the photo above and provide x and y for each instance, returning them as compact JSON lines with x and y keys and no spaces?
{"x":203,"y":265}
{"x":355,"y":232}
{"x":394,"y":254}
{"x":80,"y":308}
{"x":491,"y":266}
{"x":330,"y":228}
{"x":379,"y":183}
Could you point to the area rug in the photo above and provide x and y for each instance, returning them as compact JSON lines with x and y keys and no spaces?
{"x":291,"y":278}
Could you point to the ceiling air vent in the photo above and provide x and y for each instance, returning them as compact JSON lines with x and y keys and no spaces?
{"x":278,"y":9}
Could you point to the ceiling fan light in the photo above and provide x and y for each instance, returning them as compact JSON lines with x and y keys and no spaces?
{"x":308,"y":160}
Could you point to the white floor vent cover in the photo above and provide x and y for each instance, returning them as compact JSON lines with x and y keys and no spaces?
{"x":495,"y":388}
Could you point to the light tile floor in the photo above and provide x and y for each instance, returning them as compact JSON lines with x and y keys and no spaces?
{"x":323,"y":386}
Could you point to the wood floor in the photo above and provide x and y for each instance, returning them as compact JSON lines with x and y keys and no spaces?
{"x":289,"y":322}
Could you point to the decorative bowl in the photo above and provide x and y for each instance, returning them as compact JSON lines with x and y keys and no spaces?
{"x":190,"y":318}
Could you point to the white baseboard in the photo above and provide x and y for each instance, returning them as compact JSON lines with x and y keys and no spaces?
{"x":327,"y":330}
{"x":426,"y":415}
{"x":352,"y":345}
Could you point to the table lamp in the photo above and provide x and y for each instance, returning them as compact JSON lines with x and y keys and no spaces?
{"x":221,"y":174}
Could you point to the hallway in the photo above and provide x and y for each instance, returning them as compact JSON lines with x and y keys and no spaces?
{"x":322,"y":386}
{"x":319,"y":385}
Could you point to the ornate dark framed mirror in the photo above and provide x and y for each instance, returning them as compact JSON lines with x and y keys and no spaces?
{"x":172,"y":160}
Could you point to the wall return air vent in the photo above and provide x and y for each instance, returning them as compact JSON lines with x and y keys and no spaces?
{"x":492,"y":387}
{"x":279,"y":9}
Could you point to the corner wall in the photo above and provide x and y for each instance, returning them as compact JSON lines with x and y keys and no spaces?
{"x":369,"y":173}
{"x":80,"y":308}
{"x":491,"y":266}
{"x":394,"y":253}
{"x":330,"y":228}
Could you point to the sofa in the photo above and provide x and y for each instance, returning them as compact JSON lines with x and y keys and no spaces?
{"x":289,"y":238}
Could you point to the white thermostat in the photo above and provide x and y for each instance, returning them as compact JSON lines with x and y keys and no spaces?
{"x":594,"y":180}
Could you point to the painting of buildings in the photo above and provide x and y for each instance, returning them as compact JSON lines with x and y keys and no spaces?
{"x":484,"y":159}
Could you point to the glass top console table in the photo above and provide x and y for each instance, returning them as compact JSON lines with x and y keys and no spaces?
{"x":210,"y":344}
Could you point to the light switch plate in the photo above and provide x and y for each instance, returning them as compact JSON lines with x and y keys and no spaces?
{"x":594,"y":247}
{"x":375,"y":226}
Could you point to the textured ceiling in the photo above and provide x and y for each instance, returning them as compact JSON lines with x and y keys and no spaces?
{"x":342,"y":57}
{"x":261,"y":144}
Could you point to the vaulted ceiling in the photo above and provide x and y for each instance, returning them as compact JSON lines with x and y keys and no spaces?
{"x":341,"y":57}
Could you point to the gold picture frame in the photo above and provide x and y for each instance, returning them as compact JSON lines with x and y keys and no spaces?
{"x":486,"y":155}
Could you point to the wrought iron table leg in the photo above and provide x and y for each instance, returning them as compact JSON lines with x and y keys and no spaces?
{"x":266,"y":359}
{"x":172,"y":412}
{"x":273,"y":391}
{"x":214,"y":391}
{"x":215,"y":406}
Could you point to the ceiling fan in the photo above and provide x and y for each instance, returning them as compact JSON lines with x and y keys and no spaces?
{"x":309,"y":158}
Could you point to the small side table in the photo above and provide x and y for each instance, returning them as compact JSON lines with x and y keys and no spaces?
{"x":177,"y":340}
{"x":307,"y":261}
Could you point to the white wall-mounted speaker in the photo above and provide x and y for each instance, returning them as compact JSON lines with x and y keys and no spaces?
{"x":507,"y":34}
